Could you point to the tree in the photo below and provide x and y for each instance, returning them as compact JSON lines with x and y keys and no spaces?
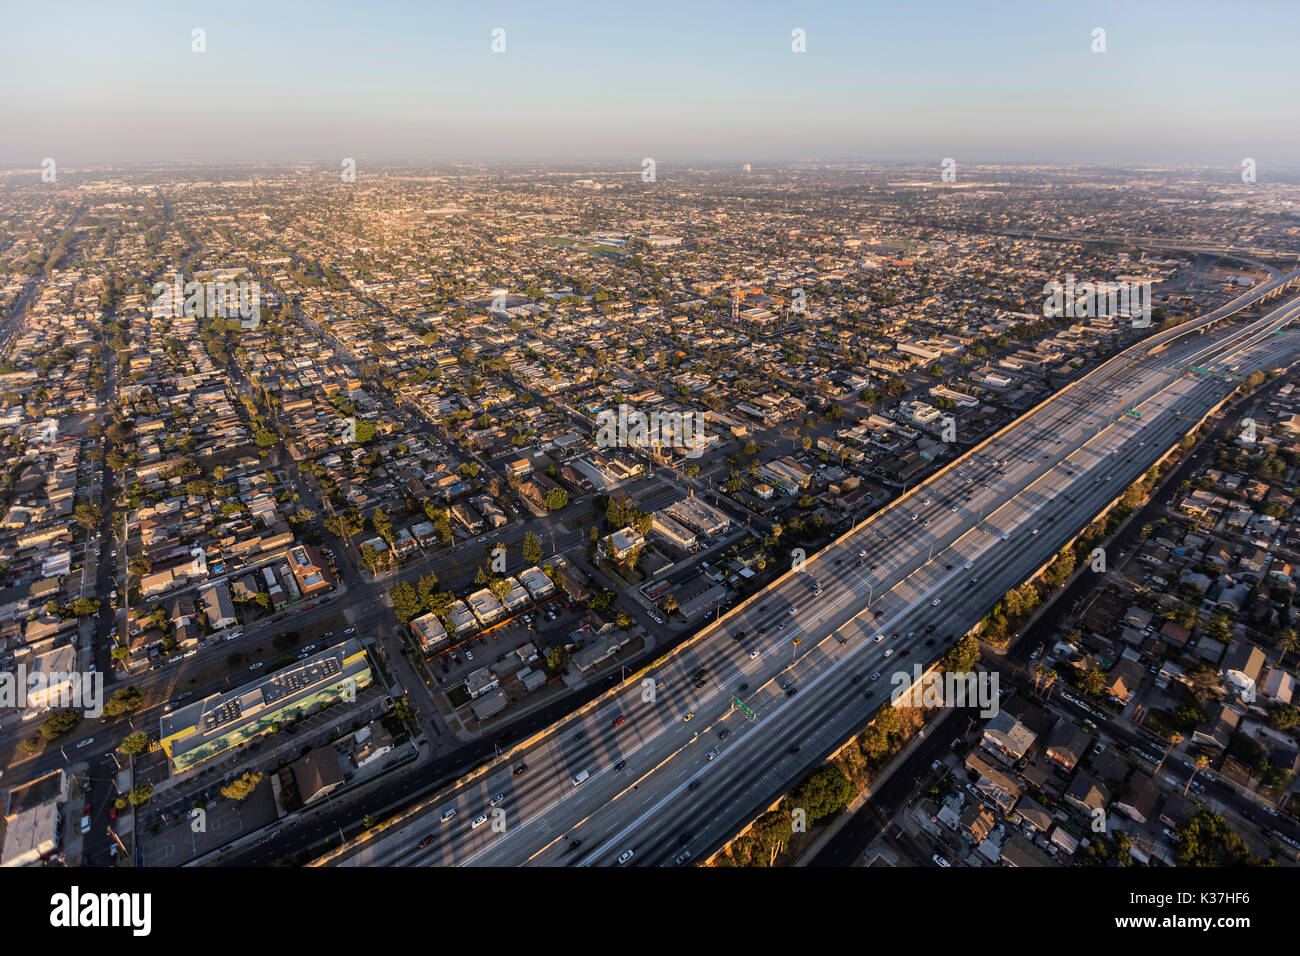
{"x":532,"y":548}
{"x":556,"y":499}
{"x":426,"y":588}
{"x":59,"y":723}
{"x":85,"y":607}
{"x":87,"y":516}
{"x":140,"y":793}
{"x":136,"y":743}
{"x":1174,"y":741}
{"x":558,"y":657}
{"x":1208,"y":840}
{"x":124,"y":700}
{"x":242,"y":787}
{"x":406,"y":602}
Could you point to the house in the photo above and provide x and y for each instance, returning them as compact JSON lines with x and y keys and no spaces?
{"x":317,"y":774}
{"x":1123,"y":679}
{"x":1007,"y":738}
{"x":1241,"y":669}
{"x":998,"y":787}
{"x":218,"y":606}
{"x":1067,"y":743}
{"x":1018,"y":851}
{"x":1217,"y":731}
{"x":976,"y":822}
{"x":1087,"y":795}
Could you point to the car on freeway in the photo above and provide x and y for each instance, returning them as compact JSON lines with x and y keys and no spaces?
{"x":753,"y":654}
{"x":934,"y":603}
{"x":889,"y":652}
{"x":478,"y":821}
{"x":625,"y":856}
{"x":875,"y":676}
{"x":857,"y":679}
{"x":425,"y":842}
{"x":688,"y":716}
{"x":714,"y":752}
{"x":448,"y":814}
{"x":497,"y":798}
{"x":724,"y":734}
{"x":743,"y":687}
{"x":940,"y":861}
{"x":620,"y":765}
{"x":693,"y":785}
{"x":621,"y":718}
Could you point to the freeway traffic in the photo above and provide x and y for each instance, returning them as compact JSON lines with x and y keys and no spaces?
{"x":634,"y":779}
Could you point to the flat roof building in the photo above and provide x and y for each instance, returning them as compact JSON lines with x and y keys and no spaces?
{"x":216,"y":723}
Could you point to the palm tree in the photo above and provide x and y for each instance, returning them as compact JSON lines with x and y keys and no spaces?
{"x":1174,"y":740}
{"x":1051,"y":681}
{"x":1038,"y":675}
{"x":1201,"y":763}
{"x":1290,"y":644}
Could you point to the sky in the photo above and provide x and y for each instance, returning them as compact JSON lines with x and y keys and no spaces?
{"x":904,"y":81}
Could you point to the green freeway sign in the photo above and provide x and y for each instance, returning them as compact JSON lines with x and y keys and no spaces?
{"x":739,"y":704}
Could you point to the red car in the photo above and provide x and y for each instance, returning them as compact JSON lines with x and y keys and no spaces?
{"x":112,"y":813}
{"x":620,"y":720}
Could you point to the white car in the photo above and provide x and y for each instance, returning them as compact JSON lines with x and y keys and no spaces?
{"x":478,"y":821}
{"x":626,"y":855}
{"x":793,"y":609}
{"x":940,"y":861}
{"x":879,"y":638}
{"x":448,"y":814}
{"x":889,"y":652}
{"x":496,"y":799}
{"x":714,"y":752}
{"x":469,"y":655}
{"x":968,"y":565}
{"x":753,"y":654}
{"x":934,"y":603}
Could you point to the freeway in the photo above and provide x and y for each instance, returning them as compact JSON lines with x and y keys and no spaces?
{"x":669,"y":771}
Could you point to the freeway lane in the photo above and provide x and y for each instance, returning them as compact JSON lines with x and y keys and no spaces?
{"x":1002,"y":496}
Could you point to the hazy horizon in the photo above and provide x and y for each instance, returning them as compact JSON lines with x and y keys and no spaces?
{"x":1178,"y":84}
